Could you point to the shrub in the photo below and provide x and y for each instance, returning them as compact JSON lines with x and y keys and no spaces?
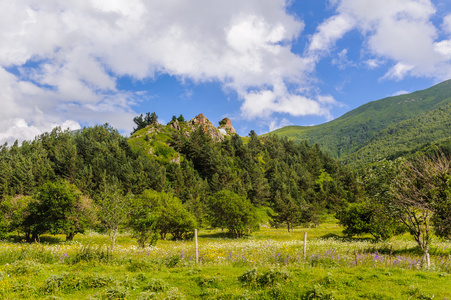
{"x":268,"y":278}
{"x":318,"y":292}
{"x":207,"y":281}
{"x":272,"y":276}
{"x":249,"y":277}
{"x":172,"y":261}
{"x":114,"y":293}
{"x":156,"y":285}
{"x":97,"y":281}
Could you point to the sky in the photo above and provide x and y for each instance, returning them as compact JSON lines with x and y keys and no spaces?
{"x":264,"y":64}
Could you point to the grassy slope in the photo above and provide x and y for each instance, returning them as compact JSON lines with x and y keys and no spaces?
{"x":154,"y":143}
{"x":359,"y":127}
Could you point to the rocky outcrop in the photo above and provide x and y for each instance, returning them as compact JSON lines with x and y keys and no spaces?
{"x":200,"y":119}
{"x":226,"y":125}
{"x":208,"y":127}
{"x":175,"y":125}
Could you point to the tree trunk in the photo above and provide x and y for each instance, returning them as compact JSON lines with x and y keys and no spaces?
{"x":70,"y":236}
{"x":35,"y":238}
{"x":426,"y":260}
{"x":113,"y":236}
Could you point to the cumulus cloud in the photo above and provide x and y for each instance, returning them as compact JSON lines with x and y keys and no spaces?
{"x":276,"y":124}
{"x":373,"y":63}
{"x":329,"y":32}
{"x":401,"y":92}
{"x":398,"y":72}
{"x":447,"y":24}
{"x":63,"y":58}
{"x":398,"y":31}
{"x":263,"y":103}
{"x":342,"y":61}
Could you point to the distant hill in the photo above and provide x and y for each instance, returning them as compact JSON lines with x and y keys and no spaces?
{"x":389,"y":127}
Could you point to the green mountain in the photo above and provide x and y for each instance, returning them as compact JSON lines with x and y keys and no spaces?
{"x":389,"y":127}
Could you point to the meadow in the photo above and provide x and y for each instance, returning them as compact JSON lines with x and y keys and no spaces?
{"x":269,"y":264}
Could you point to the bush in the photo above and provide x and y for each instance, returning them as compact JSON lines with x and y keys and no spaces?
{"x":249,"y":277}
{"x":156,"y":285}
{"x":114,"y":293}
{"x":172,"y":261}
{"x":97,"y":281}
{"x":372,"y":218}
{"x":270,"y":277}
{"x":207,"y":281}
{"x":318,"y":292}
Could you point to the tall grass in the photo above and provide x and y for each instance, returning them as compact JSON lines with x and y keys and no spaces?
{"x":268,"y":265}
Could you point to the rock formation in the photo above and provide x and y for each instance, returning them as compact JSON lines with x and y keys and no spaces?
{"x":208,"y":127}
{"x":226,"y":124}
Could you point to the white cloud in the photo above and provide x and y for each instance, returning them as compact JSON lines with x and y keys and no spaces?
{"x":329,"y":32}
{"x":342,"y":61}
{"x":444,"y":48}
{"x":373,"y":63}
{"x":402,"y":92}
{"x":276,"y":124}
{"x":76,"y":50}
{"x":398,"y":31}
{"x":398,"y":71}
{"x":447,"y":24}
{"x":261,"y":104}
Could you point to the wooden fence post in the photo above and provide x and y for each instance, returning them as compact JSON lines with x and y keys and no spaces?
{"x":355,"y":255}
{"x":305,"y":245}
{"x":196,"y":245}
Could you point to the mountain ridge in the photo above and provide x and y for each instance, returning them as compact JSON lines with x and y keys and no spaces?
{"x":343,"y":137}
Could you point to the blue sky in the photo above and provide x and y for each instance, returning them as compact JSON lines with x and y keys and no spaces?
{"x":262,"y":63}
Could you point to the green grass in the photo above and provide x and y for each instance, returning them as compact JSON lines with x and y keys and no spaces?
{"x":154,"y":142}
{"x":266,"y":265}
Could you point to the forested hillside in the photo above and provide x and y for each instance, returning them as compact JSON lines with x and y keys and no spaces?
{"x":180,"y":174}
{"x":405,"y":137}
{"x":382,"y":128}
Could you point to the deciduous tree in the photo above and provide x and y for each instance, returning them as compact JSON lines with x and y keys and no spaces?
{"x":114,"y":208}
{"x":231,"y":211}
{"x":421,"y":194}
